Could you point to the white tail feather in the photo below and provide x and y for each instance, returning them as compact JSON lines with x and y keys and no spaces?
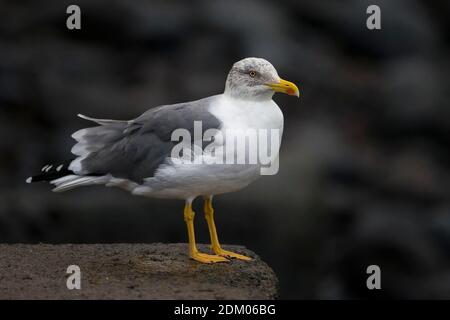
{"x":99,"y":121}
{"x":73,"y":181}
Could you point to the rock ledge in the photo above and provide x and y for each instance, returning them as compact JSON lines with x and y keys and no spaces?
{"x":129,"y":271}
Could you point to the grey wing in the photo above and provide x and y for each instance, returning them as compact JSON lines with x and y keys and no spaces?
{"x":135,"y":149}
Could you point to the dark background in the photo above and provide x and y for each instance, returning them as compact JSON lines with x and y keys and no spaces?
{"x":364,"y":166}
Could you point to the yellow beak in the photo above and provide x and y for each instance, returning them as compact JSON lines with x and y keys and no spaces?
{"x":285,"y":86}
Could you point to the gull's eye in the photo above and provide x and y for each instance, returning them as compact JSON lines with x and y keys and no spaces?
{"x":252,"y":74}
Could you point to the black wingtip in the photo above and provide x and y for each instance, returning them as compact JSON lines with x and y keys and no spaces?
{"x":51,"y":172}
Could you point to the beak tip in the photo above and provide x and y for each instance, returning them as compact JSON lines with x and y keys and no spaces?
{"x":295,"y":93}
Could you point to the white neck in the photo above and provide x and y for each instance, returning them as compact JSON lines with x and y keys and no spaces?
{"x":249,"y":95}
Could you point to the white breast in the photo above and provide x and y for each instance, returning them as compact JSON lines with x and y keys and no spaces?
{"x":242,"y":114}
{"x":260,"y":118}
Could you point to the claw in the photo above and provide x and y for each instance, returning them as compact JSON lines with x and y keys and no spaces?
{"x":208,"y":258}
{"x":229,"y":254}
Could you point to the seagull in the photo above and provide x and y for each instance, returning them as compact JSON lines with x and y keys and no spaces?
{"x":138,"y":155}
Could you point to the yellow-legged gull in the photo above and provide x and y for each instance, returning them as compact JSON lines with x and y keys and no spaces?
{"x":138,"y":155}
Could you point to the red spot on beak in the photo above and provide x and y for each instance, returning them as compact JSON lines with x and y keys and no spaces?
{"x":290,"y":91}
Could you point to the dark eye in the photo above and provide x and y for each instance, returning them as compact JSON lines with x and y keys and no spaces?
{"x":252,"y":74}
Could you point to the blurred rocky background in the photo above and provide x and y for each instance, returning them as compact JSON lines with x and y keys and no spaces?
{"x":364,"y":169}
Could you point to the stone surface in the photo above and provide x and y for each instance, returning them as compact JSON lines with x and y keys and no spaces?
{"x":129,"y":271}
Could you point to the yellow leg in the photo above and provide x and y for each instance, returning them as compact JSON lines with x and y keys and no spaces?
{"x":193,"y":252}
{"x":215,"y":245}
